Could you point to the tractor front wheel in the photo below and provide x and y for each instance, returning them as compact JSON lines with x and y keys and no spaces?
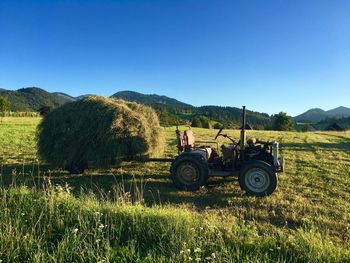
{"x":257,"y":178}
{"x":189,"y":172}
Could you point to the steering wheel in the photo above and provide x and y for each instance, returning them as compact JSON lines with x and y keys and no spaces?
{"x":217,"y":135}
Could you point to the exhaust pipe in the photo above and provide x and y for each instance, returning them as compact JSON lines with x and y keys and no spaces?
{"x":243,"y":137}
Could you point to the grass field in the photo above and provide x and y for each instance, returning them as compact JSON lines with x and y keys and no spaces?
{"x":134,"y":213}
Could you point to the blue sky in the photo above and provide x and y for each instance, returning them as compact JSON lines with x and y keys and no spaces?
{"x":281,"y":55}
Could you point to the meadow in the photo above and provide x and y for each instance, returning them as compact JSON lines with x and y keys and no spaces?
{"x":133,"y":213}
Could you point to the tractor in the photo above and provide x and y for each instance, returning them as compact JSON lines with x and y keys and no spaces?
{"x":254,"y":162}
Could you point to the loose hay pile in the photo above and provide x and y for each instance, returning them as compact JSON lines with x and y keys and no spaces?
{"x":100,"y":130}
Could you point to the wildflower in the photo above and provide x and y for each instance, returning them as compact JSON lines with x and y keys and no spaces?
{"x":98,"y":241}
{"x":188,"y":250}
{"x":197,"y":250}
{"x":75,"y":230}
{"x":213,"y":255}
{"x":101,"y":226}
{"x":181,"y":252}
{"x":22,"y":214}
{"x":208,"y":258}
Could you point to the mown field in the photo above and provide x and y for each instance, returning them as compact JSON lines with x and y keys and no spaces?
{"x":133,"y":213}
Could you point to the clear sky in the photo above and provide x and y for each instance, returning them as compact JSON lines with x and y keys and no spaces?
{"x":281,"y":55}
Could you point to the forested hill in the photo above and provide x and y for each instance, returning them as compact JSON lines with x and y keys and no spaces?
{"x":170,"y":111}
{"x":232,"y":117}
{"x":315,"y":115}
{"x":31,"y":99}
{"x":149,"y":99}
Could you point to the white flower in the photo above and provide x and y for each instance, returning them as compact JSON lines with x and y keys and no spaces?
{"x":101,"y":226}
{"x":75,"y":230}
{"x":22,"y":214}
{"x":197,"y":250}
{"x":181,"y":252}
{"x":213,"y":255}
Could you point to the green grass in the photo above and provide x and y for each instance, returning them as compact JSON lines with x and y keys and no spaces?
{"x":134,"y":213}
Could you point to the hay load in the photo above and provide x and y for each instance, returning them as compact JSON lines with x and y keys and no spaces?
{"x":100,"y":130}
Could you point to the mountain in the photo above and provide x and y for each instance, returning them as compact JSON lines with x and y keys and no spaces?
{"x":339,"y":112}
{"x":83,"y":96}
{"x":169,"y":110}
{"x":312,"y":115}
{"x":316,"y":115}
{"x":172,"y":111}
{"x":149,"y":99}
{"x":31,"y":99}
{"x":65,"y":96}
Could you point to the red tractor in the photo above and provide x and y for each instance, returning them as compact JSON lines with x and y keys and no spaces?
{"x":255,"y":162}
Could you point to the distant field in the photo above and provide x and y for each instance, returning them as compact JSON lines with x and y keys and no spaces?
{"x":145,"y":218}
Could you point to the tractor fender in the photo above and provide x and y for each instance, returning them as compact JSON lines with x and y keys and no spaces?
{"x":194,"y":154}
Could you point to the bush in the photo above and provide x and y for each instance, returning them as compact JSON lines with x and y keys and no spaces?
{"x":282,"y":122}
{"x":99,"y":129}
{"x":5,"y":104}
{"x":201,"y":122}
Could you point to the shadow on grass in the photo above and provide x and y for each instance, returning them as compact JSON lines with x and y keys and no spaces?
{"x":155,"y":188}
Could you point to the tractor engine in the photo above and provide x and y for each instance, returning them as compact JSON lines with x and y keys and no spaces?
{"x":256,"y":150}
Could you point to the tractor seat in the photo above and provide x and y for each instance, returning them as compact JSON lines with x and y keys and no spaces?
{"x":186,"y":142}
{"x":189,"y":138}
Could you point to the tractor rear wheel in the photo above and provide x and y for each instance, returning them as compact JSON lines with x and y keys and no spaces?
{"x":257,"y":178}
{"x":189,"y":172}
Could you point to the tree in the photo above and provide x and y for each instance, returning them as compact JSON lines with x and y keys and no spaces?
{"x":282,"y":122}
{"x":196,"y":122}
{"x":5,"y":104}
{"x":306,"y":127}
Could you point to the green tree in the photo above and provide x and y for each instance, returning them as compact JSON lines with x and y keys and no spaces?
{"x":196,"y":122}
{"x":306,"y":127}
{"x":5,"y":104}
{"x":282,"y":122}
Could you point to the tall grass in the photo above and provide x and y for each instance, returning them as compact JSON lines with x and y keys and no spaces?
{"x":52,"y":225}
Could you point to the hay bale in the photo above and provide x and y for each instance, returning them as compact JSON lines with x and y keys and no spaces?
{"x":100,"y":130}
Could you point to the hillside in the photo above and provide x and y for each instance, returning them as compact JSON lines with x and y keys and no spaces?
{"x":149,"y":99}
{"x":339,"y":112}
{"x":31,"y":99}
{"x":315,"y":115}
{"x":172,"y":111}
